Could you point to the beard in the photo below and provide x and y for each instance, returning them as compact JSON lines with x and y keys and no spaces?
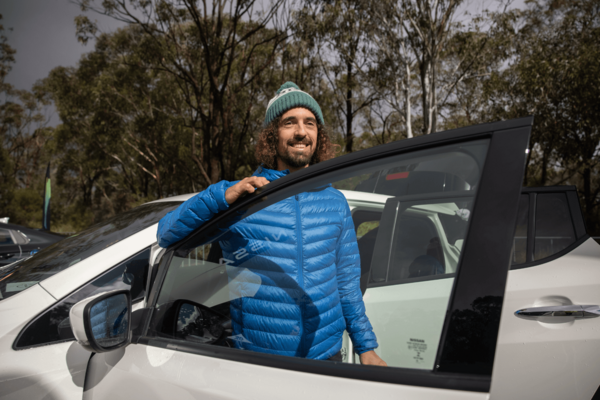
{"x":292,"y":158}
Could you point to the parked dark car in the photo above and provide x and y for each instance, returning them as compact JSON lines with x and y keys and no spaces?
{"x":18,"y":242}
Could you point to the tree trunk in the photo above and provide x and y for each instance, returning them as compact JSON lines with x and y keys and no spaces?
{"x":408,"y":110}
{"x":433,"y":99}
{"x":349,"y":136}
{"x":426,"y":94}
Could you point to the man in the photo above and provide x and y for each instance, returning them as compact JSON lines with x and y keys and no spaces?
{"x":298,"y":288}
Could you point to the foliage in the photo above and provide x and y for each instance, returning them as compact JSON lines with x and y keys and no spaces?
{"x":23,"y":134}
{"x":553,"y":74}
{"x":337,"y":33}
{"x":174,"y":101}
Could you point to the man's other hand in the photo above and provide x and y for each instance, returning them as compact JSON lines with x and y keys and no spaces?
{"x":243,"y":187}
{"x":370,"y":358}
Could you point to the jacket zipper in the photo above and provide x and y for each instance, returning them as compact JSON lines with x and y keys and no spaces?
{"x":300,"y":276}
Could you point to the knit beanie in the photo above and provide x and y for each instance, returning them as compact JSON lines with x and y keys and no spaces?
{"x":290,"y":96}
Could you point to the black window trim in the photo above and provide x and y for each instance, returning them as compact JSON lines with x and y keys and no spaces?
{"x":581,"y":234}
{"x":40,"y":314}
{"x":468,"y":380}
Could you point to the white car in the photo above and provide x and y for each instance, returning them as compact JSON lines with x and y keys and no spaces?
{"x":462,"y":306}
{"x":38,"y":355}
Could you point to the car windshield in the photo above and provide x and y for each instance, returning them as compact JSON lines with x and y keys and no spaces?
{"x":60,"y":256}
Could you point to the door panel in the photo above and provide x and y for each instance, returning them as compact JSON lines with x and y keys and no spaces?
{"x":47,"y":372}
{"x":408,"y":319}
{"x":482,"y":166}
{"x":151,"y":373}
{"x":59,"y":373}
{"x":548,"y":358}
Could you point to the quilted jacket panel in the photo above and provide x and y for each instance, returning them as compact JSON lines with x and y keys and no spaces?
{"x":294,"y":270}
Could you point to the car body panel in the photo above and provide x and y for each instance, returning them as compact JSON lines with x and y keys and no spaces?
{"x":17,"y":310}
{"x":56,"y":370}
{"x":166,"y":368}
{"x":393,"y":311}
{"x":549,"y":358}
{"x":53,"y":372}
{"x":155,"y":372}
{"x":181,"y":197}
{"x":140,"y":371}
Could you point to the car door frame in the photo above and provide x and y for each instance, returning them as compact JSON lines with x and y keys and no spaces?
{"x":482,"y":271}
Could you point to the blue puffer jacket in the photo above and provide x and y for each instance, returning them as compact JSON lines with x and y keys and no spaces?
{"x":294,"y":270}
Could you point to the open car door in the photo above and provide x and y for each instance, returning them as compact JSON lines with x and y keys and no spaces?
{"x":435,"y":266}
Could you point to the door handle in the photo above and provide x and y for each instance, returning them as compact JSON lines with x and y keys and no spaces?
{"x":576,"y":311}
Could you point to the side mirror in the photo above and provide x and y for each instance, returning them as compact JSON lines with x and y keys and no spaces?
{"x":196,"y":323}
{"x":101,"y":323}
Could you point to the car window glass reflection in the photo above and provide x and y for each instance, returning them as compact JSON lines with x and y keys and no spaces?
{"x":284,"y":276}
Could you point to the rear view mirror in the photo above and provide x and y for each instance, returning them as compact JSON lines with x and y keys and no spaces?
{"x":102,"y":323}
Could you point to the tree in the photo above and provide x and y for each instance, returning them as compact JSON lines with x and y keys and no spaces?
{"x":336,"y":30}
{"x":23,"y":134}
{"x":421,"y":51}
{"x":219,"y":56}
{"x":554,"y":75}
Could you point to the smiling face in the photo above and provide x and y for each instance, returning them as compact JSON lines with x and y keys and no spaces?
{"x":297,"y":139}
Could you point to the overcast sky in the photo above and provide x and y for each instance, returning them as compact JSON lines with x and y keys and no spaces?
{"x":43,"y":33}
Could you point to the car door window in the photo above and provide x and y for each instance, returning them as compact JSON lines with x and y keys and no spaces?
{"x":554,"y":229}
{"x":520,"y":240}
{"x":53,"y":325}
{"x":549,"y":222}
{"x":273,"y":278}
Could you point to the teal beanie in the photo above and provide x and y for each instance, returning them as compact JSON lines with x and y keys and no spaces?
{"x":290,"y":96}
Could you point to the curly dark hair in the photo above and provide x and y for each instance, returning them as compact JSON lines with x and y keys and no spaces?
{"x":266,"y":146}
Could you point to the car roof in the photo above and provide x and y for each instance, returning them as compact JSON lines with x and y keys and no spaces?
{"x":181,"y":198}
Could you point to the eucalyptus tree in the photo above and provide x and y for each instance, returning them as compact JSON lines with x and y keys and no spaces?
{"x":553,"y":74}
{"x":336,"y":30}
{"x":221,"y":55}
{"x":424,"y":53}
{"x":126,"y":136}
{"x":24,"y":133}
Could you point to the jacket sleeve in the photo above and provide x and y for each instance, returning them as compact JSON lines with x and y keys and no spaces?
{"x":192,"y":214}
{"x":348,"y":276}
